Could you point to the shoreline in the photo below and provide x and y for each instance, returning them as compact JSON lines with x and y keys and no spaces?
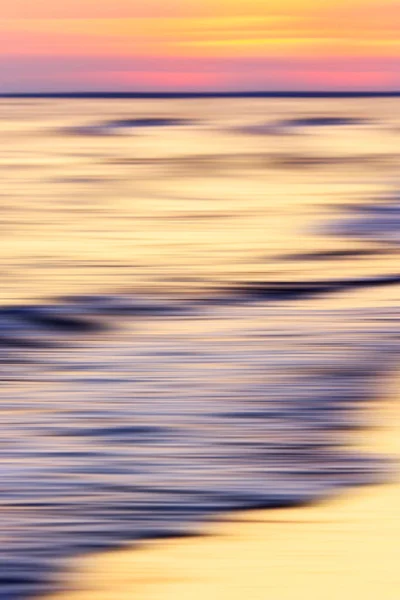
{"x":345,"y":547}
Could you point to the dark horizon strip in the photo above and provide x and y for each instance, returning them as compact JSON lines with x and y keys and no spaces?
{"x":177,"y":95}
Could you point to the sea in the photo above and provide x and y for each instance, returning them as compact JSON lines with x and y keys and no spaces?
{"x":199,"y":305}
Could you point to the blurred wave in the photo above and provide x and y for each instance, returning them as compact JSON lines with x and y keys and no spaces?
{"x":127,"y":126}
{"x":192,"y":319}
{"x":380,"y":222}
{"x":302,"y":124}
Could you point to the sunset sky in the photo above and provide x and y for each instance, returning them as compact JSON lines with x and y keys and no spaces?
{"x":168,"y":45}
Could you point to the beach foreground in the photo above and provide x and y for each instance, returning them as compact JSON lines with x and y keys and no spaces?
{"x":344,"y":548}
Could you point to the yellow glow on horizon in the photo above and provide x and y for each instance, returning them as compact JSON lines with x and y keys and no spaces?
{"x":231,"y":32}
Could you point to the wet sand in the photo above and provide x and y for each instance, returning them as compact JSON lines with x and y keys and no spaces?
{"x":344,"y":548}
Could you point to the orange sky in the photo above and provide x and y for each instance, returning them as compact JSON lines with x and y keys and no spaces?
{"x":199,"y":44}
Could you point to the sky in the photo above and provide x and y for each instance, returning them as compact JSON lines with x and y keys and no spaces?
{"x":199,"y":45}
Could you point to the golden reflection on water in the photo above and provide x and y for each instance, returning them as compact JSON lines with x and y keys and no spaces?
{"x":183,"y":206}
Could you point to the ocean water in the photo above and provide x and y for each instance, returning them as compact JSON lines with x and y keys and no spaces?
{"x":199,"y":302}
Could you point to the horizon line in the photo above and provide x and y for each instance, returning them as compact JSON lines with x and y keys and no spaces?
{"x":206,"y":94}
